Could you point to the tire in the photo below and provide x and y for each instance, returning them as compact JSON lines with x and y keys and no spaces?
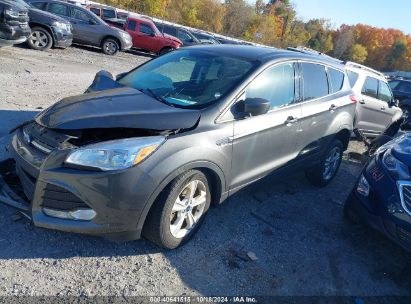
{"x":322,"y":174}
{"x":110,"y":46}
{"x":172,"y":210}
{"x":165,"y":51}
{"x":350,"y":214}
{"x":40,"y":39}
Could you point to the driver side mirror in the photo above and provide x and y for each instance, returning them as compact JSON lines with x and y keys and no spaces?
{"x":255,"y":106}
{"x":152,"y":34}
{"x":92,"y":22}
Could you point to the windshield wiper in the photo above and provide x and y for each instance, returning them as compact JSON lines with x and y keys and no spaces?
{"x":150,"y":92}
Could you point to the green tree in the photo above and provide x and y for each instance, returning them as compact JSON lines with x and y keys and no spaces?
{"x":357,"y":53}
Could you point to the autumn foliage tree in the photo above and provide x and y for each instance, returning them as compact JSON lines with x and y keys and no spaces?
{"x":275,"y":23}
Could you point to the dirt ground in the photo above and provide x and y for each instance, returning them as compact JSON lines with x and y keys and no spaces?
{"x":302,"y":243}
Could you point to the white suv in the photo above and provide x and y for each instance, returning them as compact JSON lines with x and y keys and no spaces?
{"x":376,"y":108}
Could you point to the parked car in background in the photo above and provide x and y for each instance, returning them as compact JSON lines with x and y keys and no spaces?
{"x":108,"y":14}
{"x":401,"y":89}
{"x":147,"y":37}
{"x":102,"y":11}
{"x":122,"y":15}
{"x":227,"y":41}
{"x":147,"y":152}
{"x":14,"y":22}
{"x":88,"y":29}
{"x":205,"y":38}
{"x":48,"y":30}
{"x":382,"y":195}
{"x":376,"y":108}
{"x":186,"y":37}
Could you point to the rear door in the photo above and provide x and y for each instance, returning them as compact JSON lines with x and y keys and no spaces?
{"x":319,"y":106}
{"x":264,"y":143}
{"x":371,"y":116}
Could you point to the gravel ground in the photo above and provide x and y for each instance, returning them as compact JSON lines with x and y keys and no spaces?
{"x":302,"y":244}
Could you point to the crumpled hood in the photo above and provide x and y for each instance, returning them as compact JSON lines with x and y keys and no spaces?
{"x":116,"y":108}
{"x":401,"y":148}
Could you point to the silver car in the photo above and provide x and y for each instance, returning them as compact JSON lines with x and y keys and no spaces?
{"x":376,"y":109}
{"x":146,"y":153}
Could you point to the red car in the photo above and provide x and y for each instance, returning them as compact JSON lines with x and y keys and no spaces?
{"x":146,"y":36}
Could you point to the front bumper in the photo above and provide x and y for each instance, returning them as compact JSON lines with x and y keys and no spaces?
{"x":126,"y":45}
{"x":118,"y":198}
{"x":10,"y":35}
{"x":381,"y":209}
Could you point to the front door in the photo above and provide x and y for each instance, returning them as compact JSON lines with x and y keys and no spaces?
{"x":371,"y":112}
{"x":86,"y":29}
{"x":264,"y":143}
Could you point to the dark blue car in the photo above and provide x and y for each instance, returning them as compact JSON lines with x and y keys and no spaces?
{"x":382,"y":194}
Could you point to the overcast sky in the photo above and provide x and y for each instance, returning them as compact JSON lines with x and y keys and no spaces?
{"x":380,"y":13}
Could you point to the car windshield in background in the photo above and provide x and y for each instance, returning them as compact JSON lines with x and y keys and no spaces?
{"x":189,"y":78}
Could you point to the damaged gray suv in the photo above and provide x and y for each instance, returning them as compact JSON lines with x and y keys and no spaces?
{"x":146,"y":154}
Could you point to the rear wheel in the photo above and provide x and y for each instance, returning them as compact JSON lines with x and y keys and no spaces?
{"x":179,"y":211}
{"x":40,"y":39}
{"x":323,"y":173}
{"x":110,"y":46}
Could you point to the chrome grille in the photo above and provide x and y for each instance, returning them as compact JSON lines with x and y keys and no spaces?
{"x":405,"y":195}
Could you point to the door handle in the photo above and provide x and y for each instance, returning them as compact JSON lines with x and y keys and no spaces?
{"x":291,"y":120}
{"x":383,"y":108}
{"x":361,"y":101}
{"x":333,"y":107}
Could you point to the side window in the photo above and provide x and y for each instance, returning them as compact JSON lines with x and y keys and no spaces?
{"x":169,"y":30}
{"x":370,"y":87}
{"x":183,"y":36}
{"x":109,"y":13}
{"x":352,"y":77}
{"x":95,"y":11}
{"x":132,"y":25}
{"x":315,"y":81}
{"x":276,"y":84}
{"x":39,"y":5}
{"x":384,"y":92}
{"x":146,"y":29}
{"x":81,"y":15}
{"x":336,"y":80}
{"x":405,"y":87}
{"x":394,"y":84}
{"x":59,"y":9}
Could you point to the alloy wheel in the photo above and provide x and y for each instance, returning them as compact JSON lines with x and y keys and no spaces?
{"x":188,"y":208}
{"x":39,"y":39}
{"x":331,"y":163}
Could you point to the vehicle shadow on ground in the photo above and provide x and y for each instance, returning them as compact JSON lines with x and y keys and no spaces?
{"x":296,"y":231}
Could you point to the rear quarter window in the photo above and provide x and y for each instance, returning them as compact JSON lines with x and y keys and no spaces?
{"x":315,"y":81}
{"x":352,"y":77}
{"x":336,"y":79}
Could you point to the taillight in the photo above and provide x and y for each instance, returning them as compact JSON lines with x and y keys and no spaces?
{"x":353,"y":99}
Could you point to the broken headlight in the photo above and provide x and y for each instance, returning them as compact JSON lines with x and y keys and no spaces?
{"x":116,"y":154}
{"x":397,"y":169}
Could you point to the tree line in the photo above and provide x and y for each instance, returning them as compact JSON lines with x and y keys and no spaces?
{"x":275,"y":23}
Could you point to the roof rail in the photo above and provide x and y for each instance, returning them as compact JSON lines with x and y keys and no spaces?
{"x":363,"y":67}
{"x":306,"y":50}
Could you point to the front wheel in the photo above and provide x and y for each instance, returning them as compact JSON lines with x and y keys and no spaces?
{"x":40,"y":39}
{"x":110,"y":47}
{"x":323,"y":173}
{"x":179,"y":211}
